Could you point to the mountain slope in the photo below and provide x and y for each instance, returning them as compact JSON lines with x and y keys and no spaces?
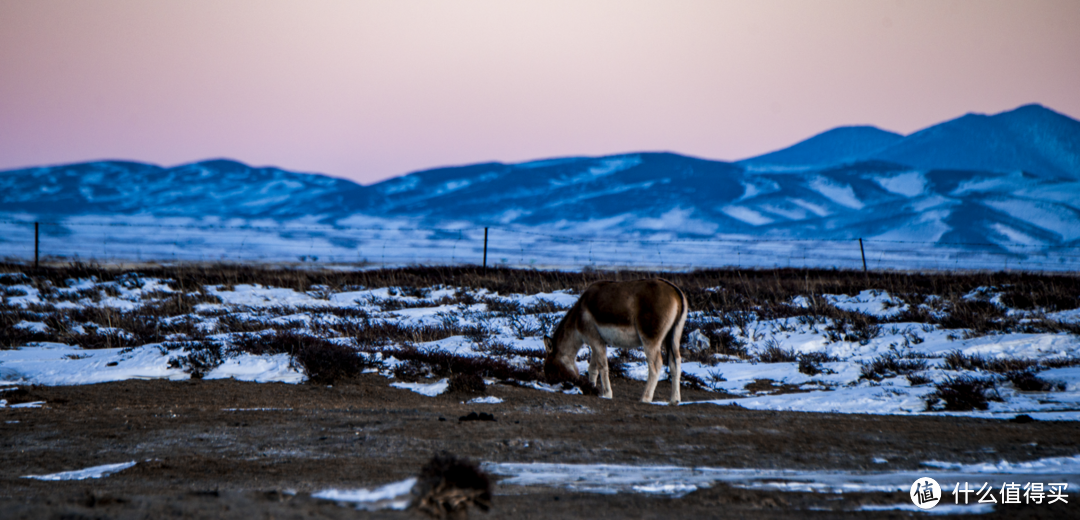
{"x":217,"y":187}
{"x":1031,"y":138}
{"x":837,"y":146}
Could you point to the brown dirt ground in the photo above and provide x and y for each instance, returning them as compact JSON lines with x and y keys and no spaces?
{"x":197,"y":460}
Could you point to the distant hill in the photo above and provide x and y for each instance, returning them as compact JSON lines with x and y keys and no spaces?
{"x":1031,"y":138}
{"x":837,"y":146}
{"x":217,"y":187}
{"x":1011,"y":178}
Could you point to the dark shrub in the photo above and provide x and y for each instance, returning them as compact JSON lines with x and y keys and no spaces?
{"x":957,"y":360}
{"x":810,"y":362}
{"x":1060,"y":362}
{"x":411,"y":371}
{"x":202,"y":357}
{"x":323,"y":362}
{"x":374,"y":333}
{"x":467,"y":384}
{"x":1027,"y":381}
{"x":692,"y":381}
{"x":443,"y":364}
{"x":773,"y":353}
{"x":961,"y":394}
{"x":447,"y":486}
{"x":326,"y":362}
{"x":808,"y":367}
{"x":890,"y":365}
{"x":721,"y":341}
{"x":917,"y":378}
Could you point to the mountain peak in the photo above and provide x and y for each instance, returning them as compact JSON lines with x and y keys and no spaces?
{"x":839,"y":145}
{"x":1029,"y":138}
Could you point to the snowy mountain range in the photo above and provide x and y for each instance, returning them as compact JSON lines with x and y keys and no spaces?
{"x":1007,"y":179}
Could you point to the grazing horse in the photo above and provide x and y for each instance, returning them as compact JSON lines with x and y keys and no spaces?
{"x":643,"y":313}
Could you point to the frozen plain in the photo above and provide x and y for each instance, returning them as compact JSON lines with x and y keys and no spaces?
{"x":839,"y":386}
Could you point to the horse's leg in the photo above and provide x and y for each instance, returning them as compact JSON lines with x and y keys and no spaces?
{"x":605,"y":381}
{"x":656,"y":364}
{"x":598,"y":366}
{"x":594,"y":362}
{"x":675,"y":368}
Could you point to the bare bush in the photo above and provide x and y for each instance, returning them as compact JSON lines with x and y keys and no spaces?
{"x":1027,"y":381}
{"x":962,"y":394}
{"x":890,"y":365}
{"x":467,"y":383}
{"x":957,"y":360}
{"x":774,"y":353}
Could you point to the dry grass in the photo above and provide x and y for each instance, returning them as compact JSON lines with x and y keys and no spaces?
{"x":727,"y":299}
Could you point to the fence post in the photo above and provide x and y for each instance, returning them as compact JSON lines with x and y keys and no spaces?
{"x":36,"y":245}
{"x":863,"y":253}
{"x":485,"y":248}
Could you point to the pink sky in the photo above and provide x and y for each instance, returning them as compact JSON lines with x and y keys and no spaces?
{"x":368,"y":90}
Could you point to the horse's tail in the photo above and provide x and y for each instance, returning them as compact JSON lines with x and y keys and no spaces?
{"x":674,"y":335}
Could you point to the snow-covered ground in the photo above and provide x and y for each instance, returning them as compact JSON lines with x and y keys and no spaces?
{"x":838,"y":385}
{"x":366,"y":241}
{"x":1057,"y":474}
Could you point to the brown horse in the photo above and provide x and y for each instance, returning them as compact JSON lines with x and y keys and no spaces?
{"x":643,"y":313}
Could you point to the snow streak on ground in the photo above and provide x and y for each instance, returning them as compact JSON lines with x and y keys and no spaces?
{"x":679,"y":480}
{"x":83,"y":474}
{"x":390,"y":496}
{"x":839,"y":384}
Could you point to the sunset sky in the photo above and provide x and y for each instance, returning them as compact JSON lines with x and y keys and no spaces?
{"x":367,"y":90}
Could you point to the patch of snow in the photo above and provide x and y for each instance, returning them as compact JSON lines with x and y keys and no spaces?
{"x":490,"y":399}
{"x":816,"y":209}
{"x":873,"y":302}
{"x":54,"y":364}
{"x":428,"y":389}
{"x":276,"y":368}
{"x":1015,"y":237}
{"x":559,"y":298}
{"x":842,"y":194}
{"x":746,"y":215}
{"x":1048,"y":216}
{"x":679,"y":480}
{"x":83,"y":474}
{"x":258,"y":296}
{"x":908,"y":184}
{"x":34,"y":404}
{"x":32,"y":326}
{"x":390,"y":496}
{"x":550,"y":388}
{"x":1048,"y":466}
{"x":940,"y":509}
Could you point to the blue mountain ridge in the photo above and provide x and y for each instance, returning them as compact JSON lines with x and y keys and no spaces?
{"x":1030,"y":138}
{"x":837,"y":146}
{"x":1001,"y":179}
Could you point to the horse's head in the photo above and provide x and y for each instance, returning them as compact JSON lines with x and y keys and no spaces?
{"x":556,"y":367}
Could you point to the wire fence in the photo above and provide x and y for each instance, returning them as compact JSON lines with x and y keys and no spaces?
{"x":151,"y":240}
